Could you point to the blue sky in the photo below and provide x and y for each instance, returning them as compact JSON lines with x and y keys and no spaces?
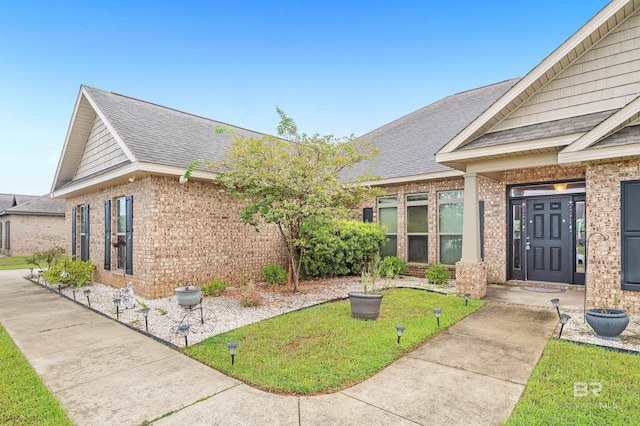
{"x":335,"y":67}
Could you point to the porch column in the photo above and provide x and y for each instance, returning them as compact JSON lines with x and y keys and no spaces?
{"x":471,"y":276}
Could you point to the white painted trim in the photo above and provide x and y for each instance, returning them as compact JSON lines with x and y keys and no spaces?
{"x":415,"y":178}
{"x":594,"y":154}
{"x":125,"y":170}
{"x":510,"y":163}
{"x":547,"y":64}
{"x":175,"y":171}
{"x":606,"y":127}
{"x":108,"y":125}
{"x":507,"y":148}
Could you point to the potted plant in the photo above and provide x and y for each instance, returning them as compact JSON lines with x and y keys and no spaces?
{"x":366,"y":304}
{"x":608,"y":323}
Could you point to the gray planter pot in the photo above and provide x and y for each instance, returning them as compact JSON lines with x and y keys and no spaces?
{"x":188,"y":296}
{"x":608,"y":325}
{"x":365,"y":306}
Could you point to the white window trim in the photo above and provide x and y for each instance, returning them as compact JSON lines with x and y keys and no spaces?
{"x":447,"y":201}
{"x":386,"y":206}
{"x":406,"y":224}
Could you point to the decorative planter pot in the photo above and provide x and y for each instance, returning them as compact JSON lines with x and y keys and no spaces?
{"x":365,"y":306}
{"x":608,"y":325}
{"x":188,"y":296}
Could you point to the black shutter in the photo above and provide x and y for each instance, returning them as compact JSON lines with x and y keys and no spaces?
{"x":7,"y":235}
{"x":107,"y":234}
{"x":481,"y":212}
{"x":630,"y":235}
{"x":129,"y":235}
{"x":367,"y":214}
{"x":73,"y":233}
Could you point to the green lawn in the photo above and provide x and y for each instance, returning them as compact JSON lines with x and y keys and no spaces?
{"x":323,"y":349}
{"x":24,"y":399}
{"x":561,"y":388}
{"x":14,"y":262}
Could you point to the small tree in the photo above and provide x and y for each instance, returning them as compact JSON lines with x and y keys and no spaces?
{"x":292,"y":181}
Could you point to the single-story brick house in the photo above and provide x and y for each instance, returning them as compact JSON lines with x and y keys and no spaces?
{"x":30,"y":223}
{"x":119,"y":174}
{"x":509,"y":182}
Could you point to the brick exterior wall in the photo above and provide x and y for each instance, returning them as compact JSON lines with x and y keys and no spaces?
{"x":182,"y":234}
{"x":32,"y":233}
{"x":604,"y":215}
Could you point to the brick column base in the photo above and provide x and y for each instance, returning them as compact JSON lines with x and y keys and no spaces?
{"x":471,"y":278}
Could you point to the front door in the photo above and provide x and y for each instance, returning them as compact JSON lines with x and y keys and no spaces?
{"x":548,"y":240}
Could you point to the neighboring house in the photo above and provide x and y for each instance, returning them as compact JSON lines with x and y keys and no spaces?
{"x":527,"y":171}
{"x":30,"y":223}
{"x":119,"y":173}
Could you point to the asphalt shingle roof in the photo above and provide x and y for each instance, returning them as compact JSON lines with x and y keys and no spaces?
{"x":6,"y":200}
{"x":624,"y":136}
{"x":408,"y":145}
{"x":162,"y":135}
{"x":549,"y":129}
{"x":44,"y":205}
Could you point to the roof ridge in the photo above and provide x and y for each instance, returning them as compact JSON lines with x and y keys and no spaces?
{"x":175,"y":110}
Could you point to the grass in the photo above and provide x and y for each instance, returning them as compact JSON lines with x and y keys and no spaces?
{"x":14,"y":262}
{"x":322,"y":349}
{"x":24,"y":399}
{"x":549,"y":396}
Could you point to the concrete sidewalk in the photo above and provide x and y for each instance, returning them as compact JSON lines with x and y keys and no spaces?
{"x":104,"y":373}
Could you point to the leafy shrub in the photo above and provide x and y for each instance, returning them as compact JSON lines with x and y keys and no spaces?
{"x":274,"y":274}
{"x":392,"y":266}
{"x":438,"y":274}
{"x":340,"y":248}
{"x":49,"y":257}
{"x":214,"y":288}
{"x":70,"y":272}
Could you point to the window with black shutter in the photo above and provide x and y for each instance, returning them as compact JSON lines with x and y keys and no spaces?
{"x":7,"y":235}
{"x":630,"y":235}
{"x":129,"y":235}
{"x":74,"y":242}
{"x":107,"y":234}
{"x":84,"y":232}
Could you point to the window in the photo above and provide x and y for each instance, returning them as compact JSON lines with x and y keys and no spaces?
{"x":121,"y":232}
{"x":418,"y":228}
{"x":84,"y":232}
{"x":630,"y":236}
{"x":7,"y":235}
{"x":388,"y":216}
{"x":0,"y":235}
{"x":450,"y":209}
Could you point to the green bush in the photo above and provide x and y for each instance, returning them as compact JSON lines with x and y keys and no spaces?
{"x":438,"y":274}
{"x":392,"y":265}
{"x":70,"y":272}
{"x":274,"y":274}
{"x":340,"y":248}
{"x":49,"y":257}
{"x":214,"y":288}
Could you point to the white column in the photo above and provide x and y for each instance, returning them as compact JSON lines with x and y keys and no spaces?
{"x":471,"y":221}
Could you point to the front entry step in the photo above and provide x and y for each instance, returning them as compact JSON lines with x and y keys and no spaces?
{"x":574,"y":287}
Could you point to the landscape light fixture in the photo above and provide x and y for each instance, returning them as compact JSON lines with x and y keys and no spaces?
{"x":232,"y":350}
{"x":59,"y":285}
{"x":39,"y":275}
{"x":116,"y":302}
{"x":564,"y":318}
{"x":30,"y":272}
{"x":399,"y":331}
{"x":556,"y":304}
{"x":184,"y":330}
{"x":87,"y":292}
{"x":73,"y":290}
{"x":437,"y":311}
{"x":466,"y":299}
{"x":145,"y":314}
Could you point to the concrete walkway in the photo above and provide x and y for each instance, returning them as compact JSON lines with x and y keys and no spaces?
{"x":104,"y":373}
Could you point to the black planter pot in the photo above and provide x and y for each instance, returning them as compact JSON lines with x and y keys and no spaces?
{"x":365,"y":306}
{"x":608,"y":325}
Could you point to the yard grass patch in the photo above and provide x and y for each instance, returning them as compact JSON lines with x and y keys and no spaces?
{"x":561,"y":388}
{"x":14,"y":262}
{"x":322,"y":349}
{"x":24,"y":399}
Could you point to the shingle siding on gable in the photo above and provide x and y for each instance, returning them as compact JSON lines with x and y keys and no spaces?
{"x":606,"y":77}
{"x":101,"y":151}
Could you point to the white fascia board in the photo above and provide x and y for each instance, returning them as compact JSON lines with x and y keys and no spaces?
{"x":108,"y":125}
{"x":508,"y":148}
{"x":548,"y":63}
{"x":87,"y":183}
{"x":595,"y":154}
{"x":415,"y":178}
{"x":175,"y":171}
{"x":606,"y":127}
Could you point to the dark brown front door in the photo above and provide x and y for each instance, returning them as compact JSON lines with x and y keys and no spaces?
{"x":548,"y":240}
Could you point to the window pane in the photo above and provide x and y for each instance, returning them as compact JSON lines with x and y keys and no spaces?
{"x":417,"y":219}
{"x":581,"y":235}
{"x":517,"y":242}
{"x":389,"y":217}
{"x":418,"y":245}
{"x":449,"y":195}
{"x":388,"y":200}
{"x":121,"y":252}
{"x":450,"y":217}
{"x":418,"y":197}
{"x":450,"y":249}
{"x":81,"y":220}
{"x":121,"y":218}
{"x":391,"y":247}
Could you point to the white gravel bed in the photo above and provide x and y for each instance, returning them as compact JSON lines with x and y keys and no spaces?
{"x":579,"y":330}
{"x":224,"y":313}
